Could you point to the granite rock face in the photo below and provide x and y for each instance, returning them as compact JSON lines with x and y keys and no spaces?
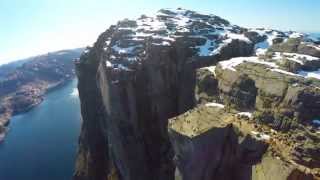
{"x":140,"y":73}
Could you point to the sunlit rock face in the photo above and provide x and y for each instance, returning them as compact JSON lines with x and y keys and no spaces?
{"x":142,"y":72}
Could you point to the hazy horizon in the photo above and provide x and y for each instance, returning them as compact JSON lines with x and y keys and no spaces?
{"x":37,"y":27}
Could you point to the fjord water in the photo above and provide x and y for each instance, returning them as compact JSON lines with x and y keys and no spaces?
{"x":42,"y":143}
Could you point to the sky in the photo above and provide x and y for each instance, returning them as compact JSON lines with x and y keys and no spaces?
{"x":33,"y":27}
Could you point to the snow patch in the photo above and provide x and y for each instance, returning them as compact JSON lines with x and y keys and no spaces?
{"x":247,"y":114}
{"x":108,"y":64}
{"x":211,"y":69}
{"x":212,"y":104}
{"x":299,"y":58}
{"x":232,"y":63}
{"x":128,"y":50}
{"x":238,"y":36}
{"x":296,"y":35}
{"x":206,"y":49}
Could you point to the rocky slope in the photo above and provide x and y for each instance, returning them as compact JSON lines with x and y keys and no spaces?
{"x":141,"y":73}
{"x":23,"y":83}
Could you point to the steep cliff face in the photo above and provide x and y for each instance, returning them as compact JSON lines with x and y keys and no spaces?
{"x":93,"y":156}
{"x":139,"y":74}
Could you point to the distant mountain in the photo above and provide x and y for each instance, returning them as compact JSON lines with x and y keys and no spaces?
{"x":23,"y":83}
{"x":51,"y":67}
{"x":5,"y":69}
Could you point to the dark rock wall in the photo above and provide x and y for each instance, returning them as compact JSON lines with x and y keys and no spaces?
{"x":93,"y":160}
{"x":138,"y":105}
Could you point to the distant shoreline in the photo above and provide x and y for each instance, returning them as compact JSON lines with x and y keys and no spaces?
{"x":6,"y":117}
{"x":24,"y":83}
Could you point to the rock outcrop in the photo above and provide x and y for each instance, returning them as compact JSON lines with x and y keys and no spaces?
{"x":281,"y":98}
{"x":211,"y":143}
{"x":140,"y":73}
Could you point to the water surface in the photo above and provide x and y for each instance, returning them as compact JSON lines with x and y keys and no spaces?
{"x":42,"y":143}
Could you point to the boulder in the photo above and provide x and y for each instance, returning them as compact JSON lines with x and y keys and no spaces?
{"x":255,"y":37}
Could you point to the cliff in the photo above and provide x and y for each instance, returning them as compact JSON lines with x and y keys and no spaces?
{"x":141,"y":73}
